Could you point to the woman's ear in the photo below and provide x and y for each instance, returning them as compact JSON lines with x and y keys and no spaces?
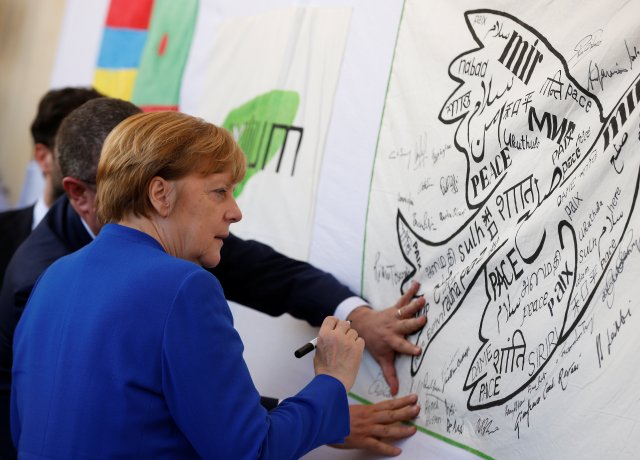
{"x":161,"y":195}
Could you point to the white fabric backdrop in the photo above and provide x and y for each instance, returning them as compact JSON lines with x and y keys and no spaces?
{"x":502,"y":185}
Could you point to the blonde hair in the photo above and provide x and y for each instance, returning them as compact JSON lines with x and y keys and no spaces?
{"x":170,"y":145}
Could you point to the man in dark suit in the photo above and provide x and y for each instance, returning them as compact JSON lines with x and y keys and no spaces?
{"x":15,"y":225}
{"x":251,"y":273}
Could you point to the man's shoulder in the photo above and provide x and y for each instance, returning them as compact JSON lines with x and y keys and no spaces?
{"x":42,"y":243}
{"x":38,"y":251}
{"x":16,"y":223}
{"x":12,"y":215}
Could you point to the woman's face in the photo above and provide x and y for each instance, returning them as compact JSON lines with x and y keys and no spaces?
{"x":204,"y":210}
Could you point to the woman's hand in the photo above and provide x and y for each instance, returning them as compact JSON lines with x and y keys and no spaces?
{"x":338,"y":351}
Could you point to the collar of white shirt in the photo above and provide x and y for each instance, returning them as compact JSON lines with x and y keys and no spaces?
{"x":39,"y":210}
{"x":86,"y":226}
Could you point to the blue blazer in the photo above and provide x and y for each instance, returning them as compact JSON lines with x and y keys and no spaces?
{"x":127,"y":352}
{"x":250,"y":272}
{"x":59,"y":233}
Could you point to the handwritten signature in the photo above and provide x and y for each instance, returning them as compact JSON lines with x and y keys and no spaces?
{"x":585,"y":45}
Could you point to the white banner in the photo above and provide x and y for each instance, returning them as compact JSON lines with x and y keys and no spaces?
{"x":505,"y":181}
{"x":271,"y":80}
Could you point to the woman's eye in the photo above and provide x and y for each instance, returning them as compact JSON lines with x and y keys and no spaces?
{"x":221,"y":192}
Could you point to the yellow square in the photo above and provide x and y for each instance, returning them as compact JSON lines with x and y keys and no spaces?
{"x":115,"y":83}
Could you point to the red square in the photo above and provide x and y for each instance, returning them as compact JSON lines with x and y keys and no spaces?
{"x":132,"y":14}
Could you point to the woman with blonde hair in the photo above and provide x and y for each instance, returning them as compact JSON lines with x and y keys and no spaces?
{"x":127,"y":348}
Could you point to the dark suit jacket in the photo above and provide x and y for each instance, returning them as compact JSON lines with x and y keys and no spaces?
{"x":251,"y":273}
{"x":255,"y":275}
{"x":15,"y":226}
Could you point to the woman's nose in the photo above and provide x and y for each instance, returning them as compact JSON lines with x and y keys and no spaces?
{"x":234,"y":214}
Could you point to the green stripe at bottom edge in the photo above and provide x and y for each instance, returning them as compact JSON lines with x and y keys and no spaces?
{"x":431,"y":433}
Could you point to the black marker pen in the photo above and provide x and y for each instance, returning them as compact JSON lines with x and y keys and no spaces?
{"x":308,"y":347}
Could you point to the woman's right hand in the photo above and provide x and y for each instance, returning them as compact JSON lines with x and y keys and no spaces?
{"x":338,"y":351}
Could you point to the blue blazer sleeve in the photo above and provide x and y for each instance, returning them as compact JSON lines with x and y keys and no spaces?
{"x":212,"y":398}
{"x":255,"y":275}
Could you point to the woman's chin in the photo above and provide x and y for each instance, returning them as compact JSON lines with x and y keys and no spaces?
{"x":210,"y":260}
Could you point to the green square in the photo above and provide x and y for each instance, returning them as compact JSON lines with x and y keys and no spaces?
{"x":165,"y":53}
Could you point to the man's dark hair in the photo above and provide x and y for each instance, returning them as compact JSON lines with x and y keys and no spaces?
{"x":53,"y":108}
{"x":82,"y":133}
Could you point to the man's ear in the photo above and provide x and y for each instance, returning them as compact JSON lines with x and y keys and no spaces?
{"x":81,"y":196}
{"x":44,"y":157}
{"x":161,"y":195}
{"x":75,"y":188}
